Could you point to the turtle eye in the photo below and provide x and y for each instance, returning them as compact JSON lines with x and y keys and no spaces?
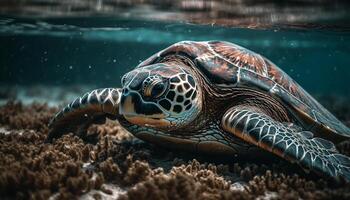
{"x":155,"y":89}
{"x":158,"y":89}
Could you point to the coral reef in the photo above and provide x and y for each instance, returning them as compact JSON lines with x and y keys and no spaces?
{"x":70,"y":168}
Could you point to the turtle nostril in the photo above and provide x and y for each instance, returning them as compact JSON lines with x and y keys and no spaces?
{"x":125,"y":91}
{"x":123,"y":80}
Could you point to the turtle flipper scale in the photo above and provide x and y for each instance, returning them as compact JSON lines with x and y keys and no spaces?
{"x":91,"y":108}
{"x":288,"y":142}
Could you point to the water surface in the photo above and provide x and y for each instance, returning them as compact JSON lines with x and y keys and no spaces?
{"x":97,"y":51}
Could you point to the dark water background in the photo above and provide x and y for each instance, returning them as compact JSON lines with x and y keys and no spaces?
{"x":94,"y":49}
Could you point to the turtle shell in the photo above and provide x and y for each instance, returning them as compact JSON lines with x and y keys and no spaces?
{"x":229,"y":65}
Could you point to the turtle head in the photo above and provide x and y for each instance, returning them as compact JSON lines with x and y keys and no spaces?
{"x":161,"y":96}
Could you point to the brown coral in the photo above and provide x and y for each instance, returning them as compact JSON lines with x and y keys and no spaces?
{"x":69,"y":167}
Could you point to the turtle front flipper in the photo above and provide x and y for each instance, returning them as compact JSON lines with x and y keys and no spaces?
{"x":92,"y":107}
{"x":287,"y":141}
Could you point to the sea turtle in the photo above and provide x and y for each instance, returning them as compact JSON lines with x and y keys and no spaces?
{"x":215,"y":97}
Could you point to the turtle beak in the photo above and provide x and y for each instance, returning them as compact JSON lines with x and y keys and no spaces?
{"x":127,"y":105}
{"x":139,"y":112}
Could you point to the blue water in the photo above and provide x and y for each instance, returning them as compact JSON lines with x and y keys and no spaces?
{"x":99,"y":50}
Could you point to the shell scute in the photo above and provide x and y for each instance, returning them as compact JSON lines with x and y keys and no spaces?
{"x":191,"y":49}
{"x":240,"y":57}
{"x":282,"y":79}
{"x":217,"y":69}
{"x":249,"y":78}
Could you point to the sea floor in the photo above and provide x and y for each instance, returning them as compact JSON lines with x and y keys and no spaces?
{"x":123,"y":167}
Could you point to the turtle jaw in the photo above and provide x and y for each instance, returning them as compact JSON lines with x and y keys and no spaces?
{"x":141,"y":113}
{"x":147,"y":121}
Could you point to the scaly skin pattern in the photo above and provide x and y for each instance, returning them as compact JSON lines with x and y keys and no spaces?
{"x":83,"y":111}
{"x":106,"y":98}
{"x":286,"y":141}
